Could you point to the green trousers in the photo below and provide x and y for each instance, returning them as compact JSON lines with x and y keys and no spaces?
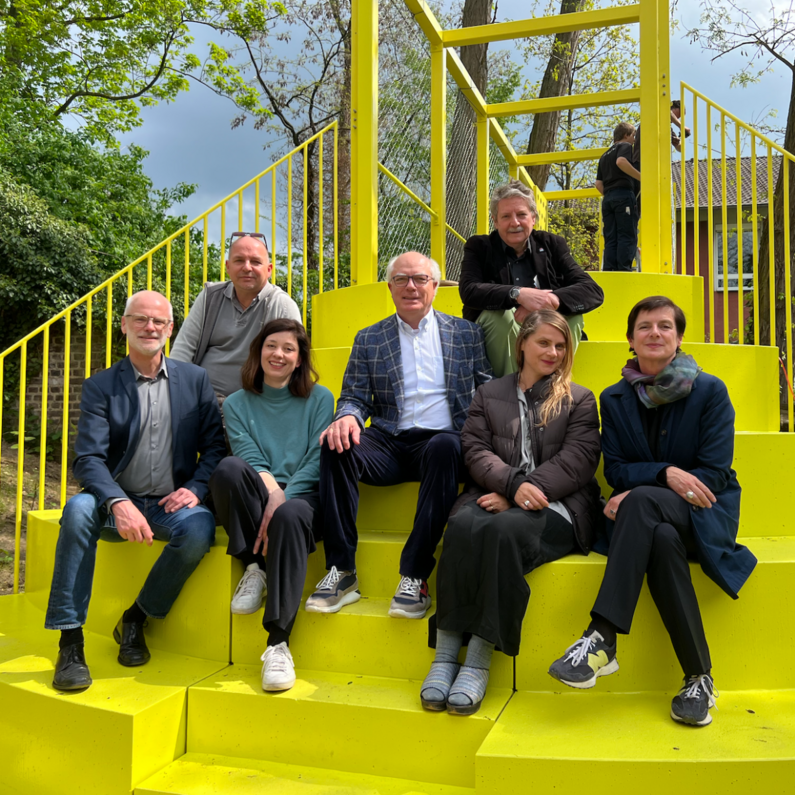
{"x":501,"y":330}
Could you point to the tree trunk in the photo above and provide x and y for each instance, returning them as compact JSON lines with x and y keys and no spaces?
{"x":778,"y":337}
{"x":556,"y":83}
{"x":461,"y":148}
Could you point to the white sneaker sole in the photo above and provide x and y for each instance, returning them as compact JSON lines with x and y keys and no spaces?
{"x":587,"y":684}
{"x":237,"y":611}
{"x":274,"y":687}
{"x":396,"y":612}
{"x":704,"y":722}
{"x":348,"y":599}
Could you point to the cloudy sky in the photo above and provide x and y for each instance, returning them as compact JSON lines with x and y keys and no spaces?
{"x":191,"y":140}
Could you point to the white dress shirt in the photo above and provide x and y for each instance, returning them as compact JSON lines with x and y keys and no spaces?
{"x":424,"y":387}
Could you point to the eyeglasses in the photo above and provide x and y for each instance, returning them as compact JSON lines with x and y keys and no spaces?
{"x":257,"y":235}
{"x":142,"y":321}
{"x":419,"y":279}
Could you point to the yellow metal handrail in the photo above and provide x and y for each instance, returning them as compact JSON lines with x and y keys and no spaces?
{"x":746,"y":138}
{"x":105,"y":292}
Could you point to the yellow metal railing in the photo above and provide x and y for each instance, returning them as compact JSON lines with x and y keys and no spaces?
{"x":739,"y":169}
{"x":156,"y":268}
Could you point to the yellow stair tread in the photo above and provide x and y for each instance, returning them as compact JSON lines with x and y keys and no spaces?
{"x":27,"y":661}
{"x":581,"y":725}
{"x":210,"y":774}
{"x":353,"y":690}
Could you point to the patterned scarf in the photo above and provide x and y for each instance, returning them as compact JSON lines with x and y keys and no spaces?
{"x":673,"y":382}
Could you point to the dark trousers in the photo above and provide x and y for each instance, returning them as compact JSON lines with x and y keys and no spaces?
{"x":653,"y":536}
{"x":380,"y":459}
{"x":620,"y":218}
{"x":240,"y":498}
{"x":481,"y":586}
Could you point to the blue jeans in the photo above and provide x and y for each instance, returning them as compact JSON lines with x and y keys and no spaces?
{"x":620,"y":217}
{"x":189,"y":533}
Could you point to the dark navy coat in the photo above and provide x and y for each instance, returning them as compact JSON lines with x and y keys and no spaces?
{"x":109,"y":427}
{"x":697,"y":435}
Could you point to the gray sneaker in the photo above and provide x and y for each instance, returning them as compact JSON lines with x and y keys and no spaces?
{"x":334,"y":591}
{"x":411,"y":599}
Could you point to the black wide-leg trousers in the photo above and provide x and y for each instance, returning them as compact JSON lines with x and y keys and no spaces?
{"x":380,"y":459}
{"x":653,"y":536}
{"x":240,"y":497}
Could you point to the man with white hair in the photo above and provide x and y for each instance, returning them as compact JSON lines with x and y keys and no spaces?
{"x":413,"y":375}
{"x":148,"y":439}
{"x":517,"y":269}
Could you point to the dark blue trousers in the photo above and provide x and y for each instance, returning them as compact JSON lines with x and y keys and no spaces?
{"x":380,"y":459}
{"x":620,"y":217}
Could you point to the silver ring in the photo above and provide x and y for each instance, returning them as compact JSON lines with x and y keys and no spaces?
{"x":690,"y":495}
{"x":612,"y":512}
{"x":527,"y":503}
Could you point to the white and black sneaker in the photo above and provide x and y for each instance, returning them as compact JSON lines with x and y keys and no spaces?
{"x":334,"y":591}
{"x":584,"y":661}
{"x":692,"y":703}
{"x":250,"y":591}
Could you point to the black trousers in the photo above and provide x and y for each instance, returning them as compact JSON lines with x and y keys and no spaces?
{"x":380,"y":459}
{"x":240,"y":498}
{"x":653,"y":536}
{"x":481,"y":587}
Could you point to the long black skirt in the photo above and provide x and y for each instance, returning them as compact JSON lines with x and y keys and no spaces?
{"x":481,"y":586}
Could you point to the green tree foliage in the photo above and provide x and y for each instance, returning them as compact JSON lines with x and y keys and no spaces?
{"x":102,"y":60}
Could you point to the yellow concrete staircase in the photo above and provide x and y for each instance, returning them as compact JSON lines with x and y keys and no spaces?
{"x":195,"y":720}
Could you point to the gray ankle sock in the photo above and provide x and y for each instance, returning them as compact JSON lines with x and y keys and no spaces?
{"x":437,"y":684}
{"x":470,"y":684}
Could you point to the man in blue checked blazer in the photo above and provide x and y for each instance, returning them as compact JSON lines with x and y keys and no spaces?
{"x":413,"y":375}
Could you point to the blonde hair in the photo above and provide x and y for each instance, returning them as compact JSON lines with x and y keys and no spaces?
{"x":560,"y":383}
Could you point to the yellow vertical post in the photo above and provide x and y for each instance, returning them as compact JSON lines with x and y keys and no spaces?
{"x":108,"y":326}
{"x":710,"y":230}
{"x":89,"y":313}
{"x":23,"y":363}
{"x":771,"y":248}
{"x":129,"y":293}
{"x":45,"y":373}
{"x":67,"y":357}
{"x":483,"y":174}
{"x":149,"y":272}
{"x":683,"y":208}
{"x":696,"y":186}
{"x":336,"y":207}
{"x":724,"y":198}
{"x":290,"y":225}
{"x":788,"y":289}
{"x":439,"y":154}
{"x":513,"y":170}
{"x":305,"y":253}
{"x":240,"y":210}
{"x":755,"y":237}
{"x":739,"y":219}
{"x":273,"y":225}
{"x":668,"y":223}
{"x":186,"y":276}
{"x":223,"y":242}
{"x":256,"y":206}
{"x":320,"y":188}
{"x":364,"y":142}
{"x":656,"y":242}
{"x":204,"y":251}
{"x":168,"y":285}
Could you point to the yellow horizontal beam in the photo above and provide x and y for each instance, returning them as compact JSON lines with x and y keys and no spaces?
{"x":573,"y":156}
{"x":543,"y":26}
{"x":465,"y":83}
{"x":580,"y":193}
{"x":426,"y":20}
{"x":624,"y":96}
{"x":497,"y":134}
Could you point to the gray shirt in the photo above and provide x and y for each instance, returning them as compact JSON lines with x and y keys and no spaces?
{"x":150,"y":471}
{"x":234,"y":331}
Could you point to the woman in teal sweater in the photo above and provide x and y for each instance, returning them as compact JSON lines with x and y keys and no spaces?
{"x":266,"y":492}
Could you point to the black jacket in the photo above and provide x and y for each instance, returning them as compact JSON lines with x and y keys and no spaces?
{"x":485,"y":282}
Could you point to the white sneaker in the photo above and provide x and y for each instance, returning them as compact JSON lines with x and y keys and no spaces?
{"x":278,"y":669}
{"x":250,"y":591}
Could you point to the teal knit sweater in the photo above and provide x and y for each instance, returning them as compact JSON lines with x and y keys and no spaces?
{"x":277,"y":432}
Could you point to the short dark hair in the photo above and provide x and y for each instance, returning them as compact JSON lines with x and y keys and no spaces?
{"x":649,"y":305}
{"x":676,"y":105}
{"x":622,"y":131}
{"x":304,"y":376}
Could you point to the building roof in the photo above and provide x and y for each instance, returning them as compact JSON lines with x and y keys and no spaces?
{"x":746,"y":182}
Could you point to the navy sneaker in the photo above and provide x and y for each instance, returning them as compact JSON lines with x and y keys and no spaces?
{"x":590,"y":657}
{"x":692,"y":703}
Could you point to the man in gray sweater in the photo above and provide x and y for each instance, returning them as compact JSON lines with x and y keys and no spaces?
{"x":227,"y":316}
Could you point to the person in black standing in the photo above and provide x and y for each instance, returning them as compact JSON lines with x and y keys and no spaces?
{"x":614,"y":180}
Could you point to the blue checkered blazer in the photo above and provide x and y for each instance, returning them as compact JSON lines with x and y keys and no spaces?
{"x":372,"y":386}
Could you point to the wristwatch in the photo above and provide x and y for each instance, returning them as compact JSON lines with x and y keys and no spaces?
{"x":514,"y":295}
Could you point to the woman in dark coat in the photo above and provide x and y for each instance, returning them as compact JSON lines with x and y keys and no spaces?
{"x":668,"y":442}
{"x":531,"y":445}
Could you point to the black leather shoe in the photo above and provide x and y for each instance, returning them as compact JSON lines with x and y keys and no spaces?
{"x":71,"y":671}
{"x":130,"y":637}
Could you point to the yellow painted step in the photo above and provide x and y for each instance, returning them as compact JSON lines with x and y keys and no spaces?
{"x":584,"y":740}
{"x":745,"y":636}
{"x":209,"y":774}
{"x":105,"y":740}
{"x":198,"y":624}
{"x":339,"y":314}
{"x":347,"y":722}
{"x":361,"y":638}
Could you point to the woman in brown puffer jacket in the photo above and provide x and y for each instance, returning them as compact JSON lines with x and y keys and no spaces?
{"x":531,"y":445}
